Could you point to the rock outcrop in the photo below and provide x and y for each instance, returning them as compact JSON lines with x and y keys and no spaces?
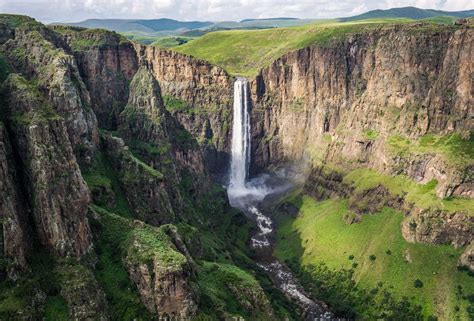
{"x":438,"y":227}
{"x":161,"y":273}
{"x":56,"y":192}
{"x":143,"y":186}
{"x":83,"y":294}
{"x":38,"y":53}
{"x":467,"y":258}
{"x":107,"y":63}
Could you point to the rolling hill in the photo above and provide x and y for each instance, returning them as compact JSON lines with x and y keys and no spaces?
{"x":152,"y":25}
{"x":408,"y":12}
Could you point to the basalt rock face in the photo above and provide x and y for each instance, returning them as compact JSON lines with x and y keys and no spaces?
{"x":107,"y":63}
{"x":14,"y":242}
{"x":39,"y":54}
{"x":199,"y":95}
{"x":369,"y":101}
{"x":145,"y":120}
{"x":341,"y":103}
{"x":54,"y":187}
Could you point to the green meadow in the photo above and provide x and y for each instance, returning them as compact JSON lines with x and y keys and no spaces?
{"x":377,"y":252}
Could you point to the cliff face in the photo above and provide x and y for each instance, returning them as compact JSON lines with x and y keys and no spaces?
{"x":107,"y":63}
{"x":143,"y":186}
{"x":199,"y":95}
{"x":161,"y":275}
{"x":49,"y":127}
{"x":53,"y":184}
{"x":14,"y":230}
{"x":38,"y":53}
{"x":343,"y":104}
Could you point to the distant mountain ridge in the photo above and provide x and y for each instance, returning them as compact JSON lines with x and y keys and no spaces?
{"x":148,"y":31}
{"x":280,"y":18}
{"x":172,"y":26}
{"x":148,"y":25}
{"x":408,"y":12}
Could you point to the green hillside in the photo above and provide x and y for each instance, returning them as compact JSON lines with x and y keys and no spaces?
{"x":378,"y":255}
{"x":410,"y":13}
{"x":168,"y":42}
{"x":244,"y":53}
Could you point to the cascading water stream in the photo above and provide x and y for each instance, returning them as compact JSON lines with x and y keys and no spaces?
{"x":240,"y":137}
{"x":247,"y":195}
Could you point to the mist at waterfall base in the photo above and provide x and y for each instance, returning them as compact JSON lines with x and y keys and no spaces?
{"x":244,"y":192}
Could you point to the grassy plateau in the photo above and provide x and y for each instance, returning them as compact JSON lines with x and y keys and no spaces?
{"x":245,"y":52}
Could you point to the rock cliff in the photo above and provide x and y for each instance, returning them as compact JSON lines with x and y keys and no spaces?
{"x":107,"y":63}
{"x":199,"y":95}
{"x":14,"y":232}
{"x":39,"y":54}
{"x":350,"y":102}
{"x":55,"y":190}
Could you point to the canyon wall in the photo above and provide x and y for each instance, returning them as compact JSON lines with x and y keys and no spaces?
{"x":200,"y":96}
{"x":344,"y":103}
{"x":96,"y":143}
{"x":367,"y":101}
{"x":397,"y":100}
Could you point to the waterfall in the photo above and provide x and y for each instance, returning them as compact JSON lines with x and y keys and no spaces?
{"x":247,"y":195}
{"x":240,"y":137}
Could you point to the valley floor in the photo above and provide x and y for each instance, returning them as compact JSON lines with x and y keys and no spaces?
{"x":377,"y":256}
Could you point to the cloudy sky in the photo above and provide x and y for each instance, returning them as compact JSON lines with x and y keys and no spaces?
{"x":76,"y":10}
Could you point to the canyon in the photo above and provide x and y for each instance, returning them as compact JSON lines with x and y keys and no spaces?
{"x":114,"y":156}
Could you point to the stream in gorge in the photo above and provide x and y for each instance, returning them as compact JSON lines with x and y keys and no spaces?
{"x":249,"y":195}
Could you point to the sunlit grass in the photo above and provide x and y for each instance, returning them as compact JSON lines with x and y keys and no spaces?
{"x":319,"y":235}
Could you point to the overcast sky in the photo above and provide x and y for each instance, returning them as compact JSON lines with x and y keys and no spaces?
{"x":76,"y":10}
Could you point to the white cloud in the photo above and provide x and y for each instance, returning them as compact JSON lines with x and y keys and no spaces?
{"x":74,"y":10}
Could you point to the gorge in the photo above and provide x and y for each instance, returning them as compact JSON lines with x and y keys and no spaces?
{"x":248,"y":196}
{"x":347,"y":164}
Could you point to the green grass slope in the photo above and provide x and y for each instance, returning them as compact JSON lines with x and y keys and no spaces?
{"x":377,"y":252}
{"x":244,"y":53}
{"x":168,"y":42}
